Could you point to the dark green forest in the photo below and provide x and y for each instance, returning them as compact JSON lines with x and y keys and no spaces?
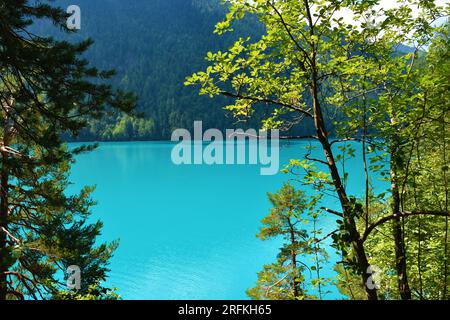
{"x":153,"y":46}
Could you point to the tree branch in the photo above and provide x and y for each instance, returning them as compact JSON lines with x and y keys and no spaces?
{"x":266,"y":100}
{"x":332,"y":212}
{"x":402,"y":215}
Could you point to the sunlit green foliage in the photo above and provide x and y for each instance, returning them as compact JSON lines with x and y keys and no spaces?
{"x":348,"y":60}
{"x":292,"y":213}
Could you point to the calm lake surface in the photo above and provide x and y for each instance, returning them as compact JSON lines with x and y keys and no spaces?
{"x":187,"y":232}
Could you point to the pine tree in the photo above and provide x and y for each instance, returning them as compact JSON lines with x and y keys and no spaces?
{"x":284,"y":279}
{"x":46,"y":90}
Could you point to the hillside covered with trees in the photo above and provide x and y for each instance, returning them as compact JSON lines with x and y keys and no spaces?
{"x":153,"y":46}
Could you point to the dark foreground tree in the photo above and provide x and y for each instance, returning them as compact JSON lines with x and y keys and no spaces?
{"x":46,"y":89}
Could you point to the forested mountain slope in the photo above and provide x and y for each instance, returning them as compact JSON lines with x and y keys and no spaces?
{"x":153,"y":45}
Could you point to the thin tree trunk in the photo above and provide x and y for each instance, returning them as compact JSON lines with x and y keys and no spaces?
{"x":4,"y":204}
{"x":322,"y":135}
{"x":357,"y":243}
{"x":400,"y":253}
{"x":316,"y":253}
{"x":364,"y":154}
{"x":3,"y":225}
{"x":419,"y":259}
{"x":295,"y":288}
{"x":444,"y":294}
{"x":419,"y":240}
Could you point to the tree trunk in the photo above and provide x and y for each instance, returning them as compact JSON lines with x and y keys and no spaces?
{"x":357,"y":243}
{"x":295,"y":287}
{"x":319,"y":123}
{"x":3,"y":226}
{"x":4,"y":204}
{"x":400,"y":252}
{"x":444,"y":154}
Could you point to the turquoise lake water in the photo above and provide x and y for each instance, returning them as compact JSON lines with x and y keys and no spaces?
{"x":186,"y":232}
